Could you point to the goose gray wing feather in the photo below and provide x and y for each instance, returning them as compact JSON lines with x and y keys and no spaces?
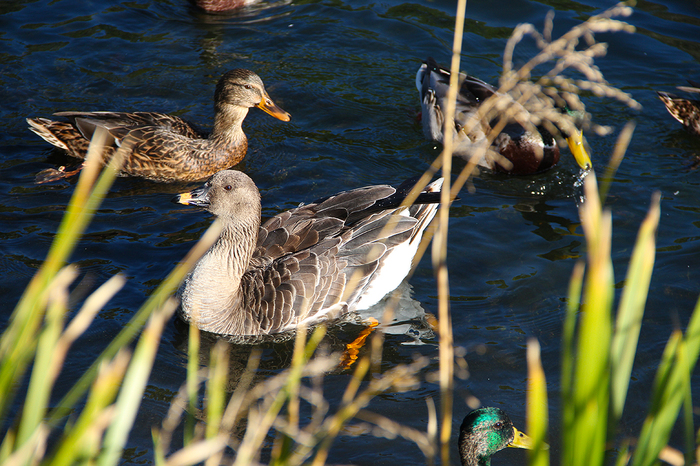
{"x":292,"y":288}
{"x":305,"y":257}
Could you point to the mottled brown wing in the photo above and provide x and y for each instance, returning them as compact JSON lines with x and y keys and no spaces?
{"x":686,"y":111}
{"x":120,"y":123}
{"x":161,"y":155}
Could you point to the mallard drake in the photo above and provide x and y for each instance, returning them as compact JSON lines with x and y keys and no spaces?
{"x":313,"y":263}
{"x":686,"y":111}
{"x":485,"y":431}
{"x":525,"y":152}
{"x":166,"y":147}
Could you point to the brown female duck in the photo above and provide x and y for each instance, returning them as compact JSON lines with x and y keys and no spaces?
{"x":521,"y":152}
{"x":303,"y":266}
{"x":165,"y":147}
{"x":686,"y":111}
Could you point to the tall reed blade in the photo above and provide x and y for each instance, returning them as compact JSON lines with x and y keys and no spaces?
{"x":585,"y":441}
{"x":671,"y":389}
{"x":134,"y":385}
{"x":631,"y":309}
{"x":41,"y":384}
{"x":537,"y":411}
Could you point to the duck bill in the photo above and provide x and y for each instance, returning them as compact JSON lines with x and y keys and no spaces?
{"x":522,"y":440}
{"x":269,"y":107}
{"x":197,"y":197}
{"x":577,"y":148}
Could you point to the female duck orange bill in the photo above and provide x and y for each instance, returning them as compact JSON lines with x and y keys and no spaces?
{"x":307,"y":265}
{"x":515,"y":151}
{"x":165,"y":147}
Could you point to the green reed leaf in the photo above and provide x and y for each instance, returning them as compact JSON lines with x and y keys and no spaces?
{"x":537,"y":410}
{"x":631,"y":309}
{"x":134,"y":385}
{"x":585,"y":442}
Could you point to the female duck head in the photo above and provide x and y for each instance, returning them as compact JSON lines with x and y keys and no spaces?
{"x":243,"y":88}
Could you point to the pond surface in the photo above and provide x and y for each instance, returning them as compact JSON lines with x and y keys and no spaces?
{"x":346,"y":72}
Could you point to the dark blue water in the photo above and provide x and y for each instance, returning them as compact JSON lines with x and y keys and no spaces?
{"x":345,"y":71}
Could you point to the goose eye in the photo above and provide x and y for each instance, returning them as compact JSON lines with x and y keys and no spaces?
{"x":228,"y":187}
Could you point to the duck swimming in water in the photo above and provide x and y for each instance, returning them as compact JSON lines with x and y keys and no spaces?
{"x":521,"y":152}
{"x":485,"y":431}
{"x":313,"y":263}
{"x":165,"y":147}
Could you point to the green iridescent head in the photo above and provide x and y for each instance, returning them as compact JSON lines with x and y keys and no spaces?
{"x":485,"y":431}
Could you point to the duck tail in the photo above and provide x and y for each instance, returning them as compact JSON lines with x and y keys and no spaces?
{"x":425,"y":207}
{"x":42,"y":127}
{"x":678,"y":107}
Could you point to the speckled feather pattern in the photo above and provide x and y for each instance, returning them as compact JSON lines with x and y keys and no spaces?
{"x":686,"y":111}
{"x":164,"y":147}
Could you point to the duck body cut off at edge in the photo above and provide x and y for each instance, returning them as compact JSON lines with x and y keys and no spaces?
{"x":486,"y":431}
{"x":685,"y":110}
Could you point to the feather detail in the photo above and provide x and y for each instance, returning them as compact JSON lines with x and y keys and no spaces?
{"x":166,"y":147}
{"x":299,"y":265}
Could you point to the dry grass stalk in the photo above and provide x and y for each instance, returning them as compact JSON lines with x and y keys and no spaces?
{"x":539,"y":102}
{"x":623,"y":141}
{"x":392,"y":429}
{"x":260,"y":407}
{"x":439,"y":251}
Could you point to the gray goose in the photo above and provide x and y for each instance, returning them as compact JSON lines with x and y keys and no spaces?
{"x":166,"y":147}
{"x":516,"y":151}
{"x":296,"y":268}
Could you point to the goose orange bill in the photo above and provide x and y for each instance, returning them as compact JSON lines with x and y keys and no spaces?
{"x":197,"y":197}
{"x":269,"y":107}
{"x":182,"y":198}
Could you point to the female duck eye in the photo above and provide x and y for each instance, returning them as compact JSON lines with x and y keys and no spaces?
{"x":247,"y":86}
{"x":228,"y":187}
